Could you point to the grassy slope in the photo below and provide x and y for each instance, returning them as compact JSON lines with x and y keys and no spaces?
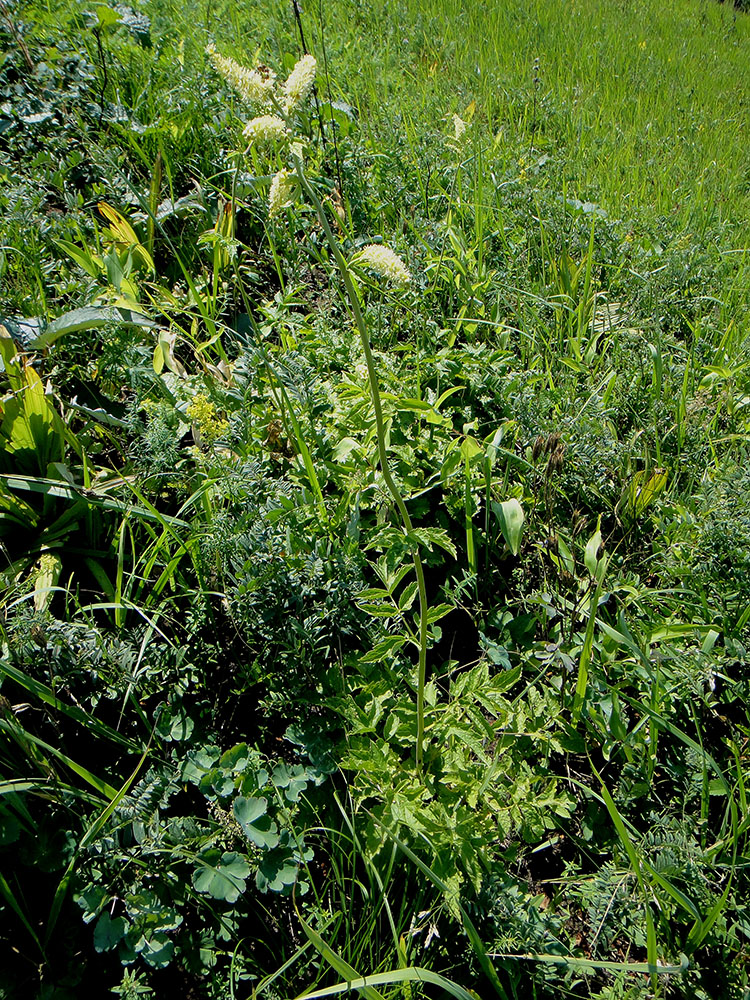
{"x":645,"y":104}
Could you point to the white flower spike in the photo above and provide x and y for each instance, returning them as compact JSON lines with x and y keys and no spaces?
{"x":300,"y":83}
{"x":385,"y":262}
{"x":282,"y":189}
{"x":252,"y":86}
{"x":267,"y":128}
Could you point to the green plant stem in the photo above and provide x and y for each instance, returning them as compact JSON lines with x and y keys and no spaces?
{"x":364,"y":336}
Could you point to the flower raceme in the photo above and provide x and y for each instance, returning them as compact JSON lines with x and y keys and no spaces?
{"x":259,"y":87}
{"x":383,"y":261}
{"x":266,"y":128}
{"x":282,"y":189}
{"x":459,"y":128}
{"x":252,"y":86}
{"x":300,"y":83}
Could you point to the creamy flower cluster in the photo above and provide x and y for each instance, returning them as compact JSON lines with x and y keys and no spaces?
{"x":300,"y":83}
{"x":252,"y":86}
{"x":459,"y":128}
{"x":259,"y":88}
{"x":282,"y":189}
{"x":266,"y":128}
{"x":385,"y":262}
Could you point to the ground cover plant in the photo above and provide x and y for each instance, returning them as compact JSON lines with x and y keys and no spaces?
{"x":374,"y":505}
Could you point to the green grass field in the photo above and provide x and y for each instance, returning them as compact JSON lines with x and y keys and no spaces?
{"x":374,"y":499}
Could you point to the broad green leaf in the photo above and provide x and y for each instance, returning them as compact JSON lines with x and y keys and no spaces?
{"x":174,"y":725}
{"x":470,"y":448}
{"x":91,"y":263}
{"x":293,"y":780}
{"x":15,"y":513}
{"x":566,"y":556}
{"x":155,"y":949}
{"x":106,"y":17}
{"x":511,"y":517}
{"x":235,"y":758}
{"x":89,"y":318}
{"x":32,"y":429}
{"x":221,"y":877}
{"x":257,"y":825}
{"x":590,"y":556}
{"x":109,"y":932}
{"x":278,"y":871}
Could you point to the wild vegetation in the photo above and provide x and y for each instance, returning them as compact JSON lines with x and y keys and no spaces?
{"x":374,"y":499}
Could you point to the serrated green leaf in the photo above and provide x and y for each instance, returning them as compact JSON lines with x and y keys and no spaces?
{"x":434,"y":536}
{"x":406,"y":599}
{"x":384,"y":648}
{"x":437,"y":612}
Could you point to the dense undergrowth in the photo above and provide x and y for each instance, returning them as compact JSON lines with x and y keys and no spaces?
{"x":374,"y":499}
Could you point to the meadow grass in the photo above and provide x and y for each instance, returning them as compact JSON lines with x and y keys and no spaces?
{"x":643,"y":105}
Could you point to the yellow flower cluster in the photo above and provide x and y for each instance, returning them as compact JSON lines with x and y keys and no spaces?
{"x":267,"y":128}
{"x":385,"y":262}
{"x":282,"y":189}
{"x":203,"y":414}
{"x":299,"y":83}
{"x":252,"y":86}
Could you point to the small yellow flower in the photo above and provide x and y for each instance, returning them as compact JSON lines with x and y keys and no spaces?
{"x":282,"y":189}
{"x":267,"y":128}
{"x":385,"y":262}
{"x":299,"y":83}
{"x":203,"y":414}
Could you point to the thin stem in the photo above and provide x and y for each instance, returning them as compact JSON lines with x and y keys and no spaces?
{"x":382,"y":453}
{"x":306,"y":51}
{"x":17,"y":36}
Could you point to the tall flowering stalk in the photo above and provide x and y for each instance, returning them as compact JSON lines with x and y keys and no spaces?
{"x":268,"y":129}
{"x":387,"y":263}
